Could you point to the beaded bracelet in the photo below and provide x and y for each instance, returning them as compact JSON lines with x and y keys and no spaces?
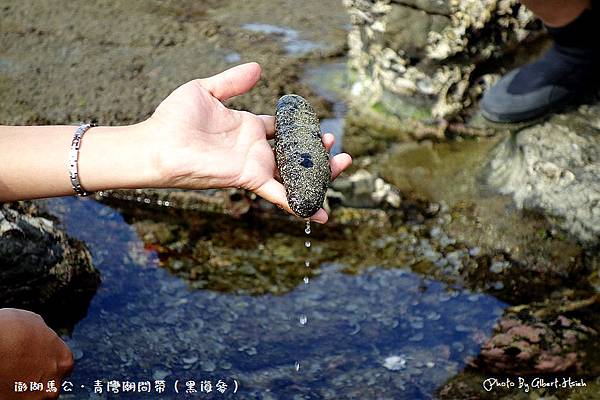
{"x":74,"y":160}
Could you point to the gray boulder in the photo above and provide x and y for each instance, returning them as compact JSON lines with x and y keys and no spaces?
{"x":41,"y":268}
{"x":555,"y":167}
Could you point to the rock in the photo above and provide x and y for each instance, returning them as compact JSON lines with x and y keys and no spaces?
{"x":302,"y":160}
{"x":411,"y":39}
{"x":419,"y":58}
{"x":441,"y":7}
{"x":229,"y":201}
{"x":420,"y":66}
{"x":539,"y":339}
{"x":42,"y":269}
{"x":555,"y":166}
{"x":394,"y":363}
{"x":363,"y":189}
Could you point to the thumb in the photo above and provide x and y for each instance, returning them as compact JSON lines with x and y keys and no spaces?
{"x":232,"y":82}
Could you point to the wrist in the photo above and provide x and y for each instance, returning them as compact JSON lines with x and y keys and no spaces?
{"x":119,"y":157}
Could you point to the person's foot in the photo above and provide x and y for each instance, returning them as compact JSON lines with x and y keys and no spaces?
{"x":562,"y":76}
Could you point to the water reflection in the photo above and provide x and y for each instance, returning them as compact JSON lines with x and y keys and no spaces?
{"x":145,"y":323}
{"x":331,"y":82}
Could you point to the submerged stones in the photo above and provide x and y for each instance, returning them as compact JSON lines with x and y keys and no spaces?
{"x":539,"y":339}
{"x":302,"y":159}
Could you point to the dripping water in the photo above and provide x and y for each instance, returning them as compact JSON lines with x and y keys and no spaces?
{"x":303,"y":319}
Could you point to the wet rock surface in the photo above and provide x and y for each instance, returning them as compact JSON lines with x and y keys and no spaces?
{"x":522,"y":250}
{"x":302,"y":160}
{"x":149,"y":50}
{"x":362,"y":189}
{"x":43,"y":269}
{"x":555,"y":166}
{"x":423,"y":80}
{"x":540,"y":339}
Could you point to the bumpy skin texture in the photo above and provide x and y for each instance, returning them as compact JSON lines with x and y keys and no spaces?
{"x":302,"y":159}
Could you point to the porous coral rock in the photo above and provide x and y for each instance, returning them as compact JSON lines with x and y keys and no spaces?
{"x":437,"y":46}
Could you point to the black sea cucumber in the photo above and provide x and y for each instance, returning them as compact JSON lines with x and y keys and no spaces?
{"x":301,"y":157}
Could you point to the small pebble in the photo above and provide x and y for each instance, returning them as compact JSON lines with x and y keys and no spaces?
{"x":395,"y":363}
{"x":160,"y":374}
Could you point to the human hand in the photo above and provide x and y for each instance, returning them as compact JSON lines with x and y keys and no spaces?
{"x":203,"y":144}
{"x":30,"y":351}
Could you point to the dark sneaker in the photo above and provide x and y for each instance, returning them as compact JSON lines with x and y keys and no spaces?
{"x":564,"y":75}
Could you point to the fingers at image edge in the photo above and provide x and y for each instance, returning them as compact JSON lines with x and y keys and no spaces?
{"x":274,"y":192}
{"x":65,"y":359}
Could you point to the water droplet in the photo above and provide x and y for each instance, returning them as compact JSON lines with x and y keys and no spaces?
{"x":307,"y":264}
{"x":306,"y":280}
{"x":307,"y":243}
{"x":307,"y":228}
{"x":297,"y":366}
{"x":303,"y":319}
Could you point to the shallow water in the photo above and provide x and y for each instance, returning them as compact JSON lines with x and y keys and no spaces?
{"x":380,"y":332}
{"x":329,"y":80}
{"x":290,"y":38}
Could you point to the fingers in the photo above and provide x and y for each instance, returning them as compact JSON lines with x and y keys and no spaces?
{"x":269,"y":124}
{"x":274,"y":192}
{"x":320,"y":216}
{"x":65,"y":360}
{"x":339,"y":163}
{"x":328,"y":141}
{"x":232,"y":82}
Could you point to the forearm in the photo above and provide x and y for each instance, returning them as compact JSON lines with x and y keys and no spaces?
{"x":33,"y":160}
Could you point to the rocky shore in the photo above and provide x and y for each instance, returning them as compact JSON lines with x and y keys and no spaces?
{"x":423,"y":80}
{"x":508,"y":211}
{"x":43,"y":269}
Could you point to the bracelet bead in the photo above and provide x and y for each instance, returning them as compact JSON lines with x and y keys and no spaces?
{"x":73,"y":163}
